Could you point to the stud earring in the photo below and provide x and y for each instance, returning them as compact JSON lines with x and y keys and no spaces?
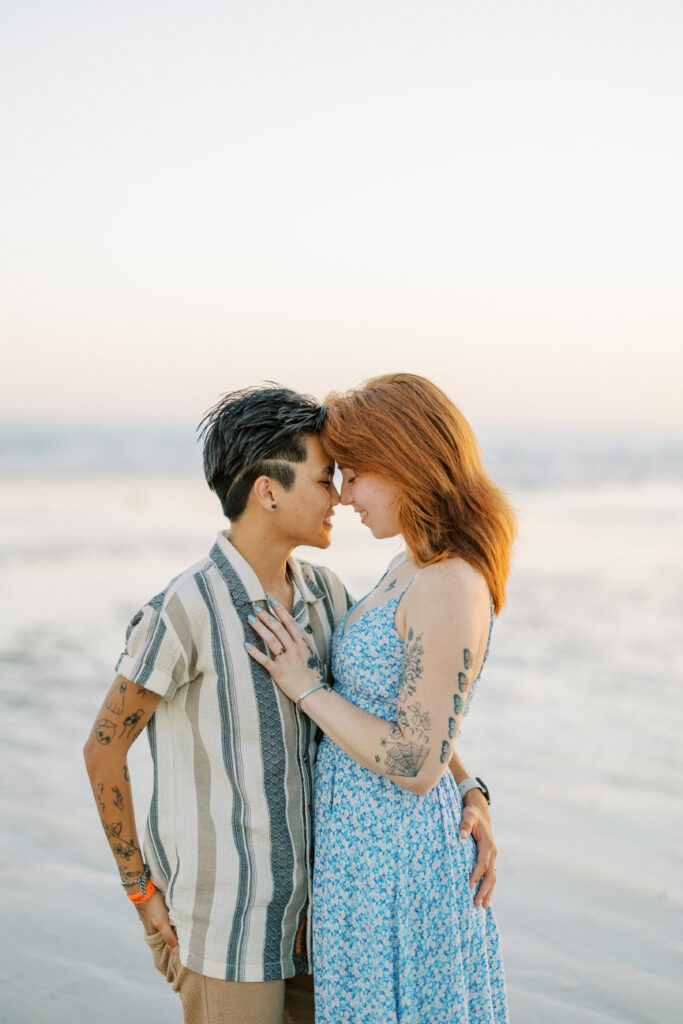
{"x":273,"y":505}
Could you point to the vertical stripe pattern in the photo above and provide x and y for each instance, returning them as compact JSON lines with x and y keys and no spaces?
{"x":229,"y":832}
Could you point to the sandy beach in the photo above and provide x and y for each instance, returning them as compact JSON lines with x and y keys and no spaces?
{"x":576,"y":728}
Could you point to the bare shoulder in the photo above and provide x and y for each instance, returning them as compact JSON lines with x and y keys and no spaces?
{"x":452,"y":580}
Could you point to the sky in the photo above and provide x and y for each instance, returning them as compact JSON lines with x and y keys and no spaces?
{"x":197,"y":197}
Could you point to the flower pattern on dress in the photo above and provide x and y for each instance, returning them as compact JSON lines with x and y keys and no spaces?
{"x":397,"y":938}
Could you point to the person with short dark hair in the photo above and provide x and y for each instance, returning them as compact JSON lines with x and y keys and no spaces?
{"x":224,"y":887}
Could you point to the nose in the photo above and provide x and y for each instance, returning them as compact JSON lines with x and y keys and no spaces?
{"x":345,"y":494}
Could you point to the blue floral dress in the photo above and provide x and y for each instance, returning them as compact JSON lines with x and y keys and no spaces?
{"x":397,"y":938}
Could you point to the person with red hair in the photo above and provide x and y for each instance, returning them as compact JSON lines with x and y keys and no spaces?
{"x":397,"y":933}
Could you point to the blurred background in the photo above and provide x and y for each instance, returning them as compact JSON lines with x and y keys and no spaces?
{"x":201,"y":197}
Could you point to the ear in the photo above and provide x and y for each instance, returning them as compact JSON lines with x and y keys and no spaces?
{"x":264,"y":495}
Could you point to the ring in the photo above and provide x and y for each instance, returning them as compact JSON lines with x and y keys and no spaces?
{"x":279,"y":653}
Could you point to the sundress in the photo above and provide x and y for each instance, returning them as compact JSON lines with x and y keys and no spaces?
{"x":397,"y":938}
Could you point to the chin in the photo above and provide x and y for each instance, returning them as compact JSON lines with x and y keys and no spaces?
{"x":321,"y":540}
{"x":379,"y":534}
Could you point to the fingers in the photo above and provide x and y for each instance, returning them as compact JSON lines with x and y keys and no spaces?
{"x":283,"y":619}
{"x":154,"y":915}
{"x":484,"y":873}
{"x":262,"y":658}
{"x":480,"y":868}
{"x":488,"y":884}
{"x":169,"y":936}
{"x":271,"y":632}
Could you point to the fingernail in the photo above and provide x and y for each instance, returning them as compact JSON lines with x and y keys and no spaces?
{"x":252,"y":618}
{"x":248,"y":646}
{"x":273,"y":601}
{"x":463,"y":834}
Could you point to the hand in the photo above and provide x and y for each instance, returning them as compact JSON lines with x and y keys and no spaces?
{"x":476,"y":821}
{"x":154,"y":915}
{"x":293,"y":665}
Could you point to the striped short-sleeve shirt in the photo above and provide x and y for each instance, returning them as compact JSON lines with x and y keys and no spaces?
{"x":229,"y":834}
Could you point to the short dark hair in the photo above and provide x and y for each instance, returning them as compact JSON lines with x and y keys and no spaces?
{"x":255,"y":432}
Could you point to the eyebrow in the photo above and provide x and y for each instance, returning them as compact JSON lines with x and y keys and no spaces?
{"x":328,"y":469}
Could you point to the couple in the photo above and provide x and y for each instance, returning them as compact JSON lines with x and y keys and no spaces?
{"x":395,"y":919}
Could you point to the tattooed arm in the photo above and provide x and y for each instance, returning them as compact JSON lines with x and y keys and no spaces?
{"x":444,"y":621}
{"x":126,"y":710}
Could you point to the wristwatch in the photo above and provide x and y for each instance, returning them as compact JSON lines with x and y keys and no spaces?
{"x":467,"y":784}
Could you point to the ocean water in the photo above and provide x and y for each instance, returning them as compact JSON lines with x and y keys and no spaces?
{"x":576,"y":726}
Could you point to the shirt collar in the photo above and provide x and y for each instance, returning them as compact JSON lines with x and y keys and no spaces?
{"x":308,"y":589}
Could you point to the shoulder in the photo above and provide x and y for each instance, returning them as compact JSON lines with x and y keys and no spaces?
{"x":450,"y":579}
{"x":396,"y":560}
{"x":177,"y":591}
{"x":185,"y":582}
{"x":445,"y":595}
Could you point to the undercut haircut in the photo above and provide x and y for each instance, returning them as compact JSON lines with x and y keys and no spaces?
{"x":255,"y":432}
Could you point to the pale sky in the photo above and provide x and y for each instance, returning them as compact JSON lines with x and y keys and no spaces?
{"x":199,"y":196}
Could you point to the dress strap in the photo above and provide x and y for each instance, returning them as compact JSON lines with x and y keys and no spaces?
{"x":399,"y":595}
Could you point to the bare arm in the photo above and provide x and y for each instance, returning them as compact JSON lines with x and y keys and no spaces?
{"x":446,"y":626}
{"x":125,"y":712}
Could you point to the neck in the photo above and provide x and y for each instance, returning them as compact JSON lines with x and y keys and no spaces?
{"x":267,"y":555}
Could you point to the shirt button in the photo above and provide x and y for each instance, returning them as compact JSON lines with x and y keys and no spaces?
{"x":310,"y":807}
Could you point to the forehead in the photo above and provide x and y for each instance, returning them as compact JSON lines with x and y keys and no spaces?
{"x":317,"y":459}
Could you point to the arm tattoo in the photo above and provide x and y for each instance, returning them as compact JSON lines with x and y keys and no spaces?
{"x":467,"y":658}
{"x":124,"y":848}
{"x":452,"y":726}
{"x":117,"y":702}
{"x":419,"y":718}
{"x":457,"y":703}
{"x":411,"y":669}
{"x":130,"y":721}
{"x":462,"y":682}
{"x":405,"y":758}
{"x":394,"y":735}
{"x":118,"y":798}
{"x":105,"y":730}
{"x":445,"y":752}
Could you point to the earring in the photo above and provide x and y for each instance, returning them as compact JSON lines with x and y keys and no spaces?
{"x":273,"y":505}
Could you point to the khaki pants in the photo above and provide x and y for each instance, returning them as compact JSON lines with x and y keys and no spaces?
{"x":212,"y":1001}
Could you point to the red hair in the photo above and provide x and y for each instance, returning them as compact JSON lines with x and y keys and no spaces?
{"x":404,"y":429}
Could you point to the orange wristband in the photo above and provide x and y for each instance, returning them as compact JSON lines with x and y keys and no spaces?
{"x":140,"y":897}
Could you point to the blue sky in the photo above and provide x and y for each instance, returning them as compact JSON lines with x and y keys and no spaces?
{"x":201,"y":196}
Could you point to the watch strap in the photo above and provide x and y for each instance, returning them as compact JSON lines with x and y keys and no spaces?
{"x":473,"y":783}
